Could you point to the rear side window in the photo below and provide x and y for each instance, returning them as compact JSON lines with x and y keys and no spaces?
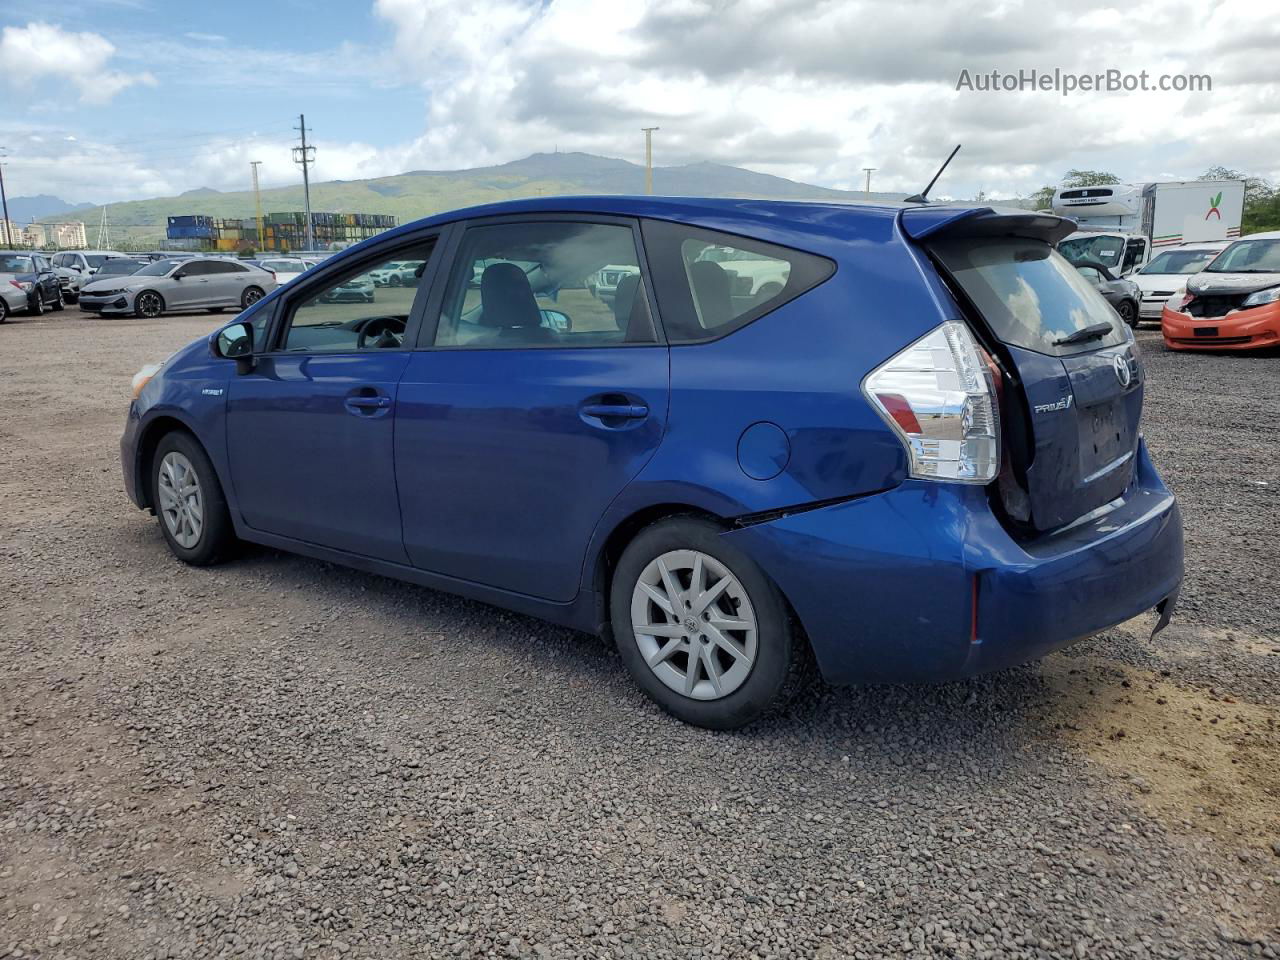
{"x":1029,"y":294}
{"x":709,"y":284}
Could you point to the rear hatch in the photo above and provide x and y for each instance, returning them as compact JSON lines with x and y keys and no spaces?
{"x":1072,"y":379}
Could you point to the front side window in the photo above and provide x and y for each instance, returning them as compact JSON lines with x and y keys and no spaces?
{"x":710,"y":284}
{"x":544,"y":284}
{"x":351,"y":313}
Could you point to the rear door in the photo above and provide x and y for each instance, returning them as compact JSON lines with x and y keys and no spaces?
{"x":1074,"y":436}
{"x":533,"y":405}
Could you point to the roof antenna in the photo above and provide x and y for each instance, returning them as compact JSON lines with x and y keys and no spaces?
{"x":923,"y":195}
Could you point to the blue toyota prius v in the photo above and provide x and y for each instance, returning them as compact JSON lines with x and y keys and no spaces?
{"x":737,"y":436}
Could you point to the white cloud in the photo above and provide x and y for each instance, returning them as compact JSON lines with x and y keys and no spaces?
{"x":40,"y":50}
{"x":817,"y":89}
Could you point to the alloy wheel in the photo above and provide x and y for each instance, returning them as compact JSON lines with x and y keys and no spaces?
{"x":694,"y":624}
{"x":149,"y":304}
{"x":252,"y":296}
{"x":181,"y":499}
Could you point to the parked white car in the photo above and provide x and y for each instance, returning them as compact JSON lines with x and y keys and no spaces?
{"x":1167,"y":273}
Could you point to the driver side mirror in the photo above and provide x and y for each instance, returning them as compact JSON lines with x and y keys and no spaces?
{"x":235,"y":342}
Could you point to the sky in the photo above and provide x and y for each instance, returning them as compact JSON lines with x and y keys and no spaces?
{"x":127,"y":99}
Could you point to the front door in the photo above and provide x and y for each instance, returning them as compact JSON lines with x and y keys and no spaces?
{"x":310,"y":429}
{"x":536,"y":404}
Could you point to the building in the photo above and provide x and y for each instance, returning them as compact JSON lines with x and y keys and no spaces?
{"x":34,"y":235}
{"x":10,"y":234}
{"x":69,"y":234}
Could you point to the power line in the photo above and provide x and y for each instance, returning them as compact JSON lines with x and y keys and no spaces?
{"x":305,"y":156}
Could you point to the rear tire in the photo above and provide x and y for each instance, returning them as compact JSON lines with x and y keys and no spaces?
{"x":719,"y":663}
{"x":189,"y":502}
{"x":1128,"y":313}
{"x":250,"y":296}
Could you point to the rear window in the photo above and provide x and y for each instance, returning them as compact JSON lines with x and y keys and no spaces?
{"x":709,"y":284}
{"x":1029,"y":294}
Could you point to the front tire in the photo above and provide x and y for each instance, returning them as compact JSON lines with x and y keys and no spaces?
{"x":189,"y":502}
{"x":57,"y":303}
{"x":703,"y":630}
{"x":37,"y":308}
{"x":148,"y":305}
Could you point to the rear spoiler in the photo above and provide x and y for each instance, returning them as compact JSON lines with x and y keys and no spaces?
{"x":933,"y":222}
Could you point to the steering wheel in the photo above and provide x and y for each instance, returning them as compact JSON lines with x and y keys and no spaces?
{"x":385,"y":332}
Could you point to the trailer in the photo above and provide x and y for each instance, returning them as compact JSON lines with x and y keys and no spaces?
{"x":1120,"y":225}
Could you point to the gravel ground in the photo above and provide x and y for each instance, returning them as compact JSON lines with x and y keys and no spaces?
{"x":280,"y":758}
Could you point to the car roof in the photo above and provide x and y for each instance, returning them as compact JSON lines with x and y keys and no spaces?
{"x":1266,"y":235}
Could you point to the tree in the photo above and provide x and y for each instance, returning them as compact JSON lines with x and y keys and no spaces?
{"x":1089,"y":178}
{"x":1042,"y":199}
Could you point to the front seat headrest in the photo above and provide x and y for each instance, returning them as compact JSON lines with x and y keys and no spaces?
{"x":506,"y":299}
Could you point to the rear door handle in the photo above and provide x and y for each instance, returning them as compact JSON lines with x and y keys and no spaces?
{"x":618,"y":411}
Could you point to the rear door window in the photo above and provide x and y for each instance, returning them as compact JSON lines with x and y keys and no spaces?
{"x":709,"y":284}
{"x":1029,"y":294}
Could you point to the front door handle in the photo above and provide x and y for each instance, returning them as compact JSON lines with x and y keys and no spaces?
{"x":367,"y":404}
{"x":615,"y":411}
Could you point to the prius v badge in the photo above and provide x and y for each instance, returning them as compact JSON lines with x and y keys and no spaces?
{"x":1063,"y":404}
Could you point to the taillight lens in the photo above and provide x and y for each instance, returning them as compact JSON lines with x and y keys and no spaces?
{"x":939,"y":396}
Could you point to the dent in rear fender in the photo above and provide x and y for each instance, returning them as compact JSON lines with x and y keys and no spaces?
{"x":879,"y":583}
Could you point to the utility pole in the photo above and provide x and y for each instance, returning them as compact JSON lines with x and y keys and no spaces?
{"x":868,"y":172}
{"x":4,"y":202}
{"x":257,"y":199}
{"x":648,"y":158}
{"x":104,"y":237}
{"x":305,"y":156}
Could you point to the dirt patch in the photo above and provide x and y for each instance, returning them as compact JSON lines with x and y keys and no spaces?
{"x":1197,"y":759}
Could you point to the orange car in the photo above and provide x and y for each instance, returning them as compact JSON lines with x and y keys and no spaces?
{"x":1234,"y":304}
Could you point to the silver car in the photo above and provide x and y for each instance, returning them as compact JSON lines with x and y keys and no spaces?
{"x":75,"y":268}
{"x":165,"y":286}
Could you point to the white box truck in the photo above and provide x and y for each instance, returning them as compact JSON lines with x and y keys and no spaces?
{"x":1120,"y":225}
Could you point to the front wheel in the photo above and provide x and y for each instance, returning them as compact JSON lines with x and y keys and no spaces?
{"x":37,"y":307}
{"x":149,"y":304}
{"x":703,"y":630}
{"x":1128,"y":313}
{"x":188,"y":500}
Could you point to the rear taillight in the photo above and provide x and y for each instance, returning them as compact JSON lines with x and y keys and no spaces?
{"x":940,"y":397}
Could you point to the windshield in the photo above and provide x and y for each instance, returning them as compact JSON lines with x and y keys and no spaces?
{"x":285,"y":266}
{"x":1101,"y":249}
{"x":1029,"y":294}
{"x":96,"y":259}
{"x":118,"y":265}
{"x":1180,"y":261}
{"x":1248,"y":256}
{"x":158,"y":268}
{"x":15,"y":265}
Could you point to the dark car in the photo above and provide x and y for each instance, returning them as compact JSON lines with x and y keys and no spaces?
{"x":1123,"y":295}
{"x":120,"y":267}
{"x":914,"y":454}
{"x":30,"y":282}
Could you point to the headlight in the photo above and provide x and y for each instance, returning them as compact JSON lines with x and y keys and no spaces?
{"x":1262,"y":297}
{"x":143,"y":377}
{"x":104,"y":293}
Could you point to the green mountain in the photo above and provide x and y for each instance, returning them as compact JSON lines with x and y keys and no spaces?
{"x":408,"y":196}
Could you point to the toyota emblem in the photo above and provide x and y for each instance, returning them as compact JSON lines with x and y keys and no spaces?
{"x":1123,"y":373}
